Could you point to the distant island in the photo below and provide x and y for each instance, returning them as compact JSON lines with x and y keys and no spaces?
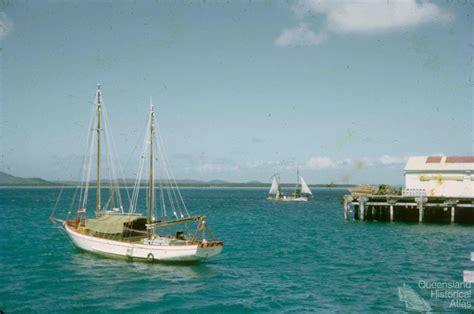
{"x":9,"y":180}
{"x":13,"y":181}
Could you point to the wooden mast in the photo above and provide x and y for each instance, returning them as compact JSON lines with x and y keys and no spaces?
{"x":297,"y":180}
{"x":151,"y":188}
{"x":99,"y":115}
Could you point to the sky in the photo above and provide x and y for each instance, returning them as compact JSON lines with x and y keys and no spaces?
{"x":344,"y":90}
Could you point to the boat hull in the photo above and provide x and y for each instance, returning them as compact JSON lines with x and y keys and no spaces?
{"x":143,"y":251}
{"x":289,"y":199}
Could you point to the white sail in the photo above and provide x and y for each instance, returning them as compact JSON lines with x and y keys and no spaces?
{"x":274,"y":188}
{"x":132,"y":235}
{"x":304,"y":187}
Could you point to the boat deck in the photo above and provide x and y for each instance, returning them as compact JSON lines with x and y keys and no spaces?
{"x":140,"y":239}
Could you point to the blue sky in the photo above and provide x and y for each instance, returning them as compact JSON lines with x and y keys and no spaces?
{"x":345,"y":90}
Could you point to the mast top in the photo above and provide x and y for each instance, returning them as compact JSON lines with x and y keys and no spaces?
{"x":99,"y":96}
{"x":152,"y":107}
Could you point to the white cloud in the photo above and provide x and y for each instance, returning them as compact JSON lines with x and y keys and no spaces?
{"x":6,"y":25}
{"x":259,"y":164}
{"x":320,"y":163}
{"x":361,"y":17}
{"x":258,"y":140}
{"x":225,"y":166}
{"x":323,"y":162}
{"x":299,"y":36}
{"x":216,"y":168}
{"x":391,"y":160}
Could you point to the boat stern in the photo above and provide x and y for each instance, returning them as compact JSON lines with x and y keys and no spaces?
{"x":209,"y":249}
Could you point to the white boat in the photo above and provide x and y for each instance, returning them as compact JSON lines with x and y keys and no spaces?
{"x":115,"y":233}
{"x":302,"y":192}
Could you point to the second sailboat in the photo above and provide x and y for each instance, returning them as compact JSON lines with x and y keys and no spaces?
{"x":302,"y":192}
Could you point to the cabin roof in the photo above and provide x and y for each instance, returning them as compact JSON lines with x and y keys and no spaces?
{"x":440,"y":163}
{"x":110,"y":223}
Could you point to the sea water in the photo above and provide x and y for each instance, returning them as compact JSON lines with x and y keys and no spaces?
{"x":277,"y":257}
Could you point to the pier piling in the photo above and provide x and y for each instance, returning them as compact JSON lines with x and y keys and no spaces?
{"x":347,"y":206}
{"x":391,"y":208}
{"x":362,"y":201}
{"x":420,"y":201}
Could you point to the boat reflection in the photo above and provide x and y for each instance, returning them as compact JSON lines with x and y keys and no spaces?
{"x":95,"y":266}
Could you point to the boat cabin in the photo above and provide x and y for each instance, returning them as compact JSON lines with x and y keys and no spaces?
{"x":111,"y":226}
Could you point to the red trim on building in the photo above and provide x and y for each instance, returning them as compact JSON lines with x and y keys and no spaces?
{"x":433,"y":159}
{"x":459,"y":159}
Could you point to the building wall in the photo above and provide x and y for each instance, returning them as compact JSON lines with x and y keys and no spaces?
{"x":454,"y":184}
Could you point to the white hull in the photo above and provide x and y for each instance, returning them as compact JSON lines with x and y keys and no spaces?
{"x":142,"y":251}
{"x":302,"y":192}
{"x":289,"y":199}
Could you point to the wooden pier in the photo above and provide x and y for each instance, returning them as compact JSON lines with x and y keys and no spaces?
{"x":390,"y":208}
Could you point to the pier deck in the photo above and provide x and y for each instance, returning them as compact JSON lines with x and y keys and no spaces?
{"x":389,"y":208}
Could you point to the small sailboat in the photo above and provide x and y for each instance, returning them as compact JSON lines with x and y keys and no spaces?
{"x":301,"y":194}
{"x":132,"y":235}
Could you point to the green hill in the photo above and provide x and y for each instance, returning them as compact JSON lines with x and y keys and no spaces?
{"x":9,"y":180}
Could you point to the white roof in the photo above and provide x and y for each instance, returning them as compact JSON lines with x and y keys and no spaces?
{"x":440,"y":163}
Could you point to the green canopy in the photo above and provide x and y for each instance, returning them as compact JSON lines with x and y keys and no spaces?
{"x":111,"y":223}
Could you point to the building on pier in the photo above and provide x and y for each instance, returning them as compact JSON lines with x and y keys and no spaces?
{"x":446,"y":176}
{"x":438,"y":189}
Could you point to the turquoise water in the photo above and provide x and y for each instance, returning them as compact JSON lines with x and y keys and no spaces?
{"x":278,"y":257}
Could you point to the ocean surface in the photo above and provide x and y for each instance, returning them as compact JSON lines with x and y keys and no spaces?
{"x":277,"y":257}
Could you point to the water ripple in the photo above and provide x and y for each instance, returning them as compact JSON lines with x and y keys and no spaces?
{"x":278,"y":257}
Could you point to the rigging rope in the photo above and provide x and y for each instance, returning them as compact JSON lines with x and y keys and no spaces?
{"x":88,"y":176}
{"x":170,"y":194}
{"x":57,"y":202}
{"x":113,"y":151}
{"x":136,"y":187}
{"x":87,"y":155}
{"x":171,"y":176}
